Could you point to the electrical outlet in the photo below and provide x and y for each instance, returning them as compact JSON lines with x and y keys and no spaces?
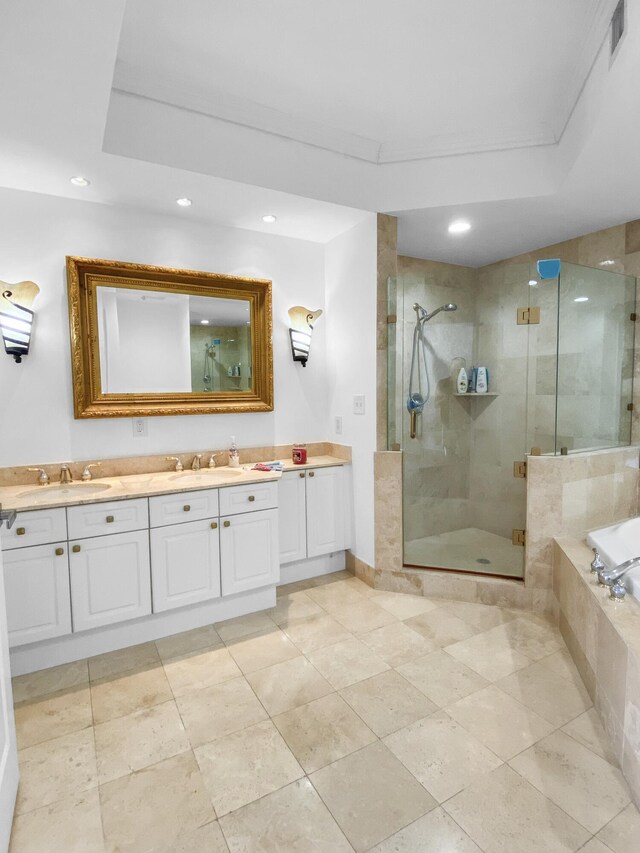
{"x":140,"y":429}
{"x":358,"y":404}
{"x":338,"y":425}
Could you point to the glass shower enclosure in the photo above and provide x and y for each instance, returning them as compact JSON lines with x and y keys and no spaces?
{"x":559,"y":356}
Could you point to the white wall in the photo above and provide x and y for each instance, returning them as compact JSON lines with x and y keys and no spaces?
{"x":351,"y":283}
{"x":36,"y":406}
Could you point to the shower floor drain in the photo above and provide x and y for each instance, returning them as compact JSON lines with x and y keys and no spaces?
{"x":483,"y":561}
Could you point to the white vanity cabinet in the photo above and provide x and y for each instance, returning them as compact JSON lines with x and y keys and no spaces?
{"x":292,"y":504}
{"x":313,"y":510}
{"x":249,"y":551}
{"x":185,"y":563}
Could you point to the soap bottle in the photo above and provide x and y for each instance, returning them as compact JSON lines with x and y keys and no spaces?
{"x":234,"y":454}
{"x":482,"y":380}
{"x":471,"y":384}
{"x":462,"y":382}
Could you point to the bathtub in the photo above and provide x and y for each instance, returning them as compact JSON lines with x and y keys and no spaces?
{"x":619,"y":543}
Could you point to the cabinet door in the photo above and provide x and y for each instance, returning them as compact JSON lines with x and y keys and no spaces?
{"x":185,"y":564}
{"x":325,"y":511}
{"x":292,"y":509}
{"x":37,"y":591}
{"x":249,"y":551}
{"x":110,"y":579}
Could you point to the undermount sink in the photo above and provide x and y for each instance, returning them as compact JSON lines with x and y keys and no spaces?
{"x":43,"y":494}
{"x":207,"y":476}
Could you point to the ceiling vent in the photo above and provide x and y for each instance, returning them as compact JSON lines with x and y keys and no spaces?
{"x":617,"y":26}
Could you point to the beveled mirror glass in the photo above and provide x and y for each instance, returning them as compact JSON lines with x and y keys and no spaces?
{"x":157,"y":341}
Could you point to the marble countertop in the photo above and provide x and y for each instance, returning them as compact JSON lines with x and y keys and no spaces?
{"x":32,"y":496}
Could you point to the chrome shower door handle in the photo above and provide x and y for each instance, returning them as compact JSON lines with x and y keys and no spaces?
{"x":412,"y":424}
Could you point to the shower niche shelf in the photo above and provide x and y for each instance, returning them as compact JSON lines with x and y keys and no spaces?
{"x":475,"y":394}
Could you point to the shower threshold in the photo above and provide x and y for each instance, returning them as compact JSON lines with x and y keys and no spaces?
{"x":467,"y":550}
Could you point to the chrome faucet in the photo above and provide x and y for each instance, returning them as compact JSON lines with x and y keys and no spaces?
{"x":613,"y":577}
{"x":195,"y":465}
{"x":178,"y":466}
{"x":596,"y":563}
{"x":65,"y":474}
{"x":43,"y":477}
{"x":86,"y":473}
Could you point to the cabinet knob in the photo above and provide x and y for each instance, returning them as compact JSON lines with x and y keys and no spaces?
{"x":312,"y":473}
{"x":20,"y":531}
{"x":301,"y":474}
{"x":186,"y":508}
{"x":252,"y":498}
{"x":59,"y":552}
{"x":227,"y":523}
{"x":76,"y":549}
{"x":110,"y":519}
{"x":214,"y":525}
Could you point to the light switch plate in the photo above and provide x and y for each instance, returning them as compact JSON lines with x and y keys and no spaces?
{"x":358,"y":404}
{"x":140,"y":429}
{"x":338,"y":425}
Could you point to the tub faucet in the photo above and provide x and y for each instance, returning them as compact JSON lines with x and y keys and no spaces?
{"x":195,"y":465}
{"x":65,"y":474}
{"x":596,"y":563}
{"x":608,"y":577}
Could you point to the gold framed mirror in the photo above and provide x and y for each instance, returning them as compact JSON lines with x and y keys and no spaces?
{"x":149,"y":340}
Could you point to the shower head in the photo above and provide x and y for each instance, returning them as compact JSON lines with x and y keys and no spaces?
{"x":423,"y":316}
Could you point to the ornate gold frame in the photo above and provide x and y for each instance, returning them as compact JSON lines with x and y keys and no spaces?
{"x":83,"y":274}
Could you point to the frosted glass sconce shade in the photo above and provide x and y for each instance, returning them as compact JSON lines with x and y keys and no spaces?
{"x":16,"y":317}
{"x":301,"y":322}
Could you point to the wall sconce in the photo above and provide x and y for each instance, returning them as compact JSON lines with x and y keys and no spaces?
{"x":16,"y":317}
{"x":301,"y":322}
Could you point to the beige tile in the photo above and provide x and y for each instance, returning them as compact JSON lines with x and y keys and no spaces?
{"x":315,"y":632}
{"x":404,"y":606}
{"x":387,"y":702}
{"x":323,"y":731}
{"x":503,"y":814}
{"x":51,"y":680}
{"x":362,"y":587}
{"x":441,"y":678}
{"x":205,"y":839}
{"x":262,"y":650}
{"x":219,"y":710}
{"x":296,"y":605}
{"x":499,"y":722}
{"x":244,"y":626}
{"x":584,"y":785}
{"x":587,"y":730}
{"x":371,"y":795}
{"x":293,"y":819}
{"x":155,"y":807}
{"x":245,"y":766}
{"x":622,"y":834}
{"x":347,"y":662}
{"x":362,"y":616}
{"x":441,"y":627}
{"x":46,"y":830}
{"x":338,"y":594}
{"x":138,"y":740}
{"x":188,"y":641}
{"x":594,"y":845}
{"x":441,"y":754}
{"x":480,"y":616}
{"x":56,"y":769}
{"x":556,"y":698}
{"x":289,"y":684}
{"x":532,"y":636}
{"x":113,"y":663}
{"x":53,"y":715}
{"x":435,"y":832}
{"x":200,"y":669}
{"x":397,"y":644}
{"x":490,"y":654}
{"x":119,"y":695}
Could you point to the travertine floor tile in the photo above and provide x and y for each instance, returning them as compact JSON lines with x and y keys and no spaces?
{"x":296,"y":605}
{"x":323,"y":731}
{"x":138,"y":740}
{"x":205,"y":839}
{"x":258,"y":652}
{"x":436,"y":832}
{"x":293,"y":819}
{"x":289,"y":684}
{"x":156,"y":806}
{"x":441,"y":626}
{"x":56,"y":769}
{"x":362,"y":616}
{"x":555,"y":697}
{"x":113,"y":663}
{"x":73,"y":825}
{"x":244,"y":626}
{"x":622,"y":834}
{"x":499,"y":722}
{"x":119,"y":695}
{"x":246,"y":765}
{"x":404,"y":606}
{"x":490,"y":654}
{"x":441,"y":754}
{"x":332,"y":595}
{"x":371,"y":795}
{"x":219,"y":710}
{"x":315,"y":632}
{"x":397,"y":643}
{"x":387,"y":702}
{"x":481,"y":616}
{"x":53,"y":715}
{"x":200,"y":669}
{"x":503,"y":814}
{"x":188,"y":641}
{"x":587,"y":730}
{"x":584,"y":785}
{"x":51,"y":680}
{"x":442,"y":678}
{"x":532,"y":636}
{"x":594,"y":845}
{"x":347,"y":662}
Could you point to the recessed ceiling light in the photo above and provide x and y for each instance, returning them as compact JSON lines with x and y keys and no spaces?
{"x":204,"y":322}
{"x":79,"y":181}
{"x":608,"y":263}
{"x":532,"y":282}
{"x":581,"y":299}
{"x":184,"y":202}
{"x":269,"y":217}
{"x":459,"y":226}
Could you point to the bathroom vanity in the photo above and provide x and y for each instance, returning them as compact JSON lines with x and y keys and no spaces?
{"x":93,"y":567}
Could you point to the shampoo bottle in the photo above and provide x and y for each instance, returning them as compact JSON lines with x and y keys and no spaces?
{"x":234,"y":454}
{"x":462,"y":382}
{"x":482,"y":380}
